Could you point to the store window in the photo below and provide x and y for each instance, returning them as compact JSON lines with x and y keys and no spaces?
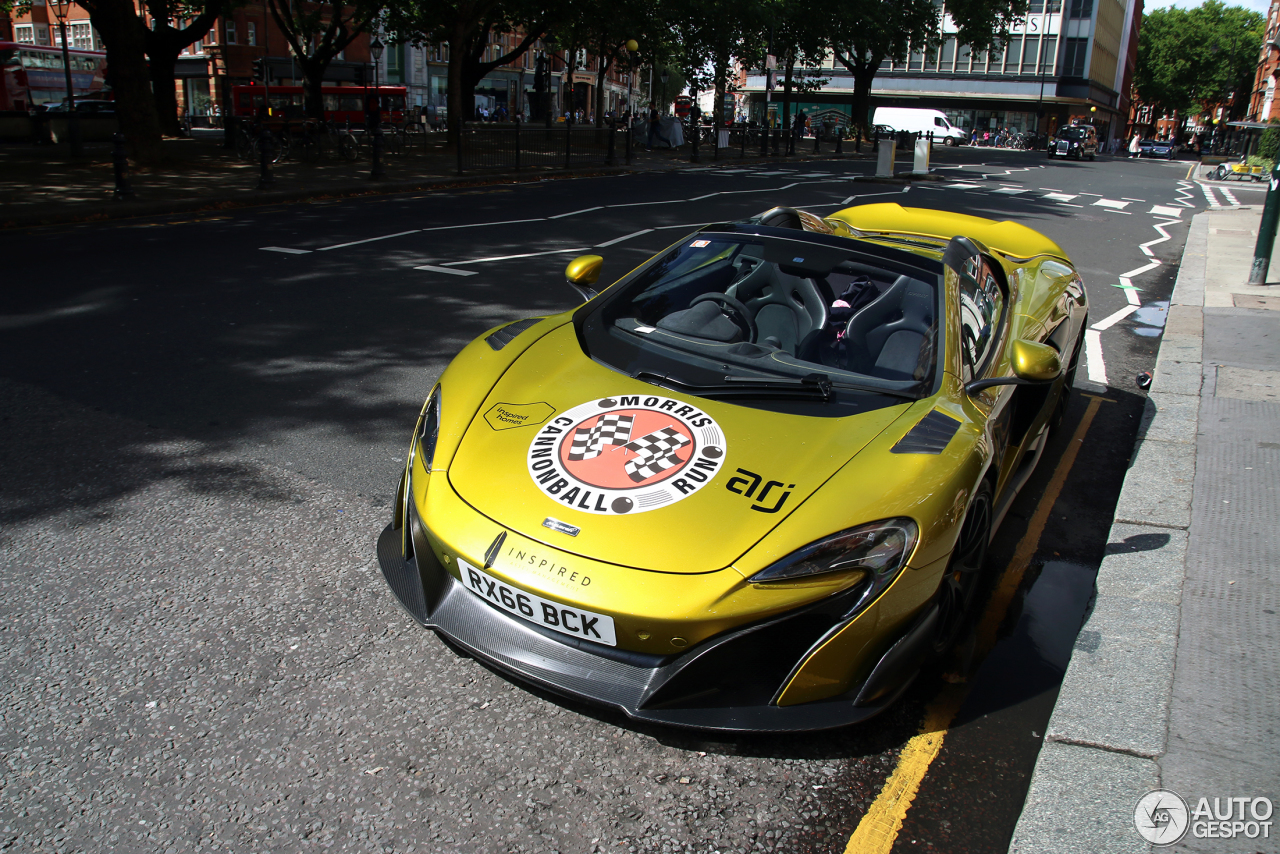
{"x":24,"y":34}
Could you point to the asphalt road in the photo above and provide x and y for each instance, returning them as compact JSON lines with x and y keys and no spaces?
{"x":199,"y":441}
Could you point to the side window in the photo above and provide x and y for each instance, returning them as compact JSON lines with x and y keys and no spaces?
{"x":981,"y":308}
{"x":937,"y":122}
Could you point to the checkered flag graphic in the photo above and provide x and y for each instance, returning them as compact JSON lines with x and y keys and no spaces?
{"x":656,"y":453}
{"x":588,"y":442}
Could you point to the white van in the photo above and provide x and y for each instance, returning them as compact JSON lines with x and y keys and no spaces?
{"x":916,"y":120}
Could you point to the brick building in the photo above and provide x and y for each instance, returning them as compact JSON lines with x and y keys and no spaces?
{"x":206,"y":70}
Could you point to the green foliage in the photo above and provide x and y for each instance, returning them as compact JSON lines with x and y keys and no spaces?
{"x":1195,"y":57}
{"x":1269,"y":145}
{"x":1265,"y":163}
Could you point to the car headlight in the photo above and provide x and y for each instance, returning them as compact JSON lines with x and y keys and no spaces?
{"x":879,"y":550}
{"x":427,"y":432}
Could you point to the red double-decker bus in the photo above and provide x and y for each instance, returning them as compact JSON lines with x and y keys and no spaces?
{"x":341,"y":103}
{"x":33,"y":74}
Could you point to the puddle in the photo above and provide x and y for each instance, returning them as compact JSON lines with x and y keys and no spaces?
{"x":1150,"y":319}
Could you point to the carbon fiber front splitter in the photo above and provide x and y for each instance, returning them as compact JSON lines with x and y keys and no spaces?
{"x":688,"y":690}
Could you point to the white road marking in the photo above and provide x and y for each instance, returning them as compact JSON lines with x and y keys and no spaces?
{"x":1051,"y":190}
{"x":1111,"y":203}
{"x":624,"y":237}
{"x":1069,"y":205}
{"x":1130,"y":292}
{"x":1012,"y":191}
{"x":1208,"y":194}
{"x":1185,"y":194}
{"x":642,"y":204}
{"x":962,"y":186}
{"x":286,"y":250}
{"x":1061,"y":197}
{"x":1127,"y":199}
{"x":846,"y":201}
{"x":1229,"y":196}
{"x":575,"y":213}
{"x":368,"y":240}
{"x":1162,"y":210}
{"x":482,"y":224}
{"x":1093,"y":356}
{"x":449,"y":270}
{"x":513,"y":257}
{"x":700,"y":198}
{"x":1112,"y":319}
{"x":681,"y":225}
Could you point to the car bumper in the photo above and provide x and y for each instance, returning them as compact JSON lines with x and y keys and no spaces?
{"x":728,"y":683}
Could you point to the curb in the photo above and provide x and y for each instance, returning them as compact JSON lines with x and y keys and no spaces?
{"x":1110,"y":722}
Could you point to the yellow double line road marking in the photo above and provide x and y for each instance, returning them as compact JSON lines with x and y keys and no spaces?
{"x":879,"y":828}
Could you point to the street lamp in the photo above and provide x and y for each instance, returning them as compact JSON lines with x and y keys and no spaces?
{"x":664,"y":77}
{"x":62,"y":8}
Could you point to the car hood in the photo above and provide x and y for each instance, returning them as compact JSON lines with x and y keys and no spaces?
{"x":573,"y":454}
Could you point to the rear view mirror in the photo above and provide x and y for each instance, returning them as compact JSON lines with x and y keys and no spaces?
{"x":582,"y":273}
{"x":1031,"y":362}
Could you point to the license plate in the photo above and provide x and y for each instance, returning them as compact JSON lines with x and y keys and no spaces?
{"x":556,"y":616}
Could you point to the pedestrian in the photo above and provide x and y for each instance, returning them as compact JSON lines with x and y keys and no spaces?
{"x":973,"y":138}
{"x":1134,"y":150}
{"x":654,"y":119}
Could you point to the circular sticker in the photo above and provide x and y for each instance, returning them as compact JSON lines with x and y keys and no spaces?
{"x":626,"y":454}
{"x":1161,"y":817}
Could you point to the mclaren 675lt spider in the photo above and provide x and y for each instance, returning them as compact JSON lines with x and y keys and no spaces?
{"x":750,"y":485}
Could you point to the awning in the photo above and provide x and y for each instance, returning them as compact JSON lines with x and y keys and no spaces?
{"x":195,"y":66}
{"x":1253,"y":125}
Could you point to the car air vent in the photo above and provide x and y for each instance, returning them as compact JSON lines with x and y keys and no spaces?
{"x":507,"y":334}
{"x":930,"y":436}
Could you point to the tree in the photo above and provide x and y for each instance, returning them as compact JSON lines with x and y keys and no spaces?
{"x":317,"y":32}
{"x":1196,"y":57}
{"x":125,"y":36}
{"x":603,"y":28}
{"x":468,"y":28}
{"x":164,"y":42}
{"x":712,"y":34}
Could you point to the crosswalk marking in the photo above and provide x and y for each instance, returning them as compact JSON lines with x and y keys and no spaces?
{"x":1111,"y":203}
{"x":1060,"y":197}
{"x":1162,"y":210}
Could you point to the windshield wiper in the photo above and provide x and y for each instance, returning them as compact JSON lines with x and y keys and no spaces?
{"x":808,"y":387}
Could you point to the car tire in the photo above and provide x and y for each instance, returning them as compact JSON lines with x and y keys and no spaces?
{"x":964,"y":571}
{"x":1092,"y":156}
{"x":1050,"y":153}
{"x":1069,"y":378}
{"x":951,"y":142}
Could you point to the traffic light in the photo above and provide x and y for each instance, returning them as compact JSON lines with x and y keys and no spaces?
{"x":260,"y":69}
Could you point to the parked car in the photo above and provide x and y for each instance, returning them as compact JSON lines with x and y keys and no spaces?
{"x":1078,"y":141}
{"x":750,"y":485}
{"x":1157,"y":148}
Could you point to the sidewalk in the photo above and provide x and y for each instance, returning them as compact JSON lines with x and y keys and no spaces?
{"x":1175,"y":678}
{"x":42,"y":185}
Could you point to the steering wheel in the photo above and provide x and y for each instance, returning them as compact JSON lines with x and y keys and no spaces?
{"x":737,"y":312}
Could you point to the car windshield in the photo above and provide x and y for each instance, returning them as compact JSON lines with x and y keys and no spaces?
{"x":774,"y":307}
{"x":1073,"y":133}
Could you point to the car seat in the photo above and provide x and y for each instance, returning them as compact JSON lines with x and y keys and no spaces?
{"x":787,"y":309}
{"x":886,"y":337}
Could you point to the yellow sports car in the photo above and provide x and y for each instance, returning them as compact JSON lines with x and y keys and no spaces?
{"x":751,"y":484}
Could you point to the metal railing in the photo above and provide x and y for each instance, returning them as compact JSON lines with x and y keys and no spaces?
{"x":520,"y":146}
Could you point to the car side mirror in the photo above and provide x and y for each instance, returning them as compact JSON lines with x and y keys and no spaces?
{"x":582,"y":273}
{"x":1032,"y":362}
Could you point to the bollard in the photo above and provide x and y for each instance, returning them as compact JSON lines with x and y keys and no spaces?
{"x":630,"y":133}
{"x":609,"y":158}
{"x":376,"y":173}
{"x":265,"y":143}
{"x":743,"y":142}
{"x":764,"y":139}
{"x":1266,"y":231}
{"x":816,"y":139}
{"x":839,"y":139}
{"x":120,"y":157}
{"x":697,"y":131}
{"x":887,"y":153}
{"x":857,"y":142}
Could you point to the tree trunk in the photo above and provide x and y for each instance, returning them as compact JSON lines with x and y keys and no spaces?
{"x":602,"y":74}
{"x":862,"y":79}
{"x":786,"y":101}
{"x":455,"y":105}
{"x":163,"y":62}
{"x":125,"y":38}
{"x":312,"y":96}
{"x":718,"y":117}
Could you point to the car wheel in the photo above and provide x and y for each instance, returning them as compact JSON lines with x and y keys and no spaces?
{"x":1069,"y":380}
{"x":951,"y":142}
{"x":1092,"y":156}
{"x":964,"y":570}
{"x":1050,"y":153}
